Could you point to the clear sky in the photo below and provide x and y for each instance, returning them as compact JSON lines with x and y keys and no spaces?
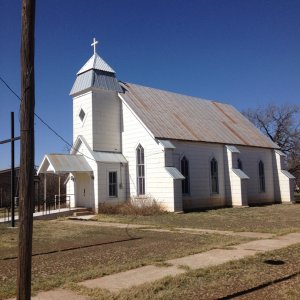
{"x":242,"y":52}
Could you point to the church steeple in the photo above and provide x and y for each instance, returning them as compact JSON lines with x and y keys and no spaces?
{"x":97,"y":74}
{"x":96,"y":63}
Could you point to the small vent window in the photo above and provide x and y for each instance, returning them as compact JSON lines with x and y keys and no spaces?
{"x":81,"y":115}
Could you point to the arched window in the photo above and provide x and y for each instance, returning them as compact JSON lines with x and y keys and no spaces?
{"x":261,"y":171}
{"x":185,"y":172}
{"x":140,"y":170}
{"x":214,"y":176}
{"x":240,"y":164}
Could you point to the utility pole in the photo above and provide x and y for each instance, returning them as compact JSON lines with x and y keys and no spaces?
{"x":26,"y":194}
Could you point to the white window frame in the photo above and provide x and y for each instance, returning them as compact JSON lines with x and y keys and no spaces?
{"x":140,"y":176}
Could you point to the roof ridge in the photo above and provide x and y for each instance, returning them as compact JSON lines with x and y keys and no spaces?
{"x":175,"y":93}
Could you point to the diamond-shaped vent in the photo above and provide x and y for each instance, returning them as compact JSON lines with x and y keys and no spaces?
{"x":81,"y":114}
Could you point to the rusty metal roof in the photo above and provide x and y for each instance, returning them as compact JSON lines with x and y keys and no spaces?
{"x":173,"y":116}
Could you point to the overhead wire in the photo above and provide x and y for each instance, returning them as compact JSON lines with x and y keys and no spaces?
{"x":45,"y":123}
{"x":66,"y":142}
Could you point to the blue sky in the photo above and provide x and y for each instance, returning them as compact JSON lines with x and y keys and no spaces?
{"x":242,"y":52}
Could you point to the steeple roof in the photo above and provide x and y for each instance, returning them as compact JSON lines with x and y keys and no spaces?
{"x":96,"y":74}
{"x":96,"y":63}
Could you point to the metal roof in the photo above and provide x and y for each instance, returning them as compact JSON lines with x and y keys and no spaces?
{"x":96,"y":79}
{"x":173,"y":116}
{"x":232,"y":149}
{"x":288,"y":174}
{"x":240,"y":173}
{"x":96,"y":63}
{"x":108,"y":157}
{"x":64,"y":163}
{"x":99,"y":156}
{"x":280,"y":153}
{"x":174,"y":173}
{"x":166,"y":144}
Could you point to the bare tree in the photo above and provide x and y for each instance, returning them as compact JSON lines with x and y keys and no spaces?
{"x":281,"y":123}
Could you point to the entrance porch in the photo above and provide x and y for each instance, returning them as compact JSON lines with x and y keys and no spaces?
{"x":79,"y":183}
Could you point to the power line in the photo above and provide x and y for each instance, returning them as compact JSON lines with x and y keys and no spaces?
{"x":45,"y":123}
{"x":9,"y":88}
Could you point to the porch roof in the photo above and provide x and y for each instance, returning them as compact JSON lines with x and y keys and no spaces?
{"x":64,"y":163}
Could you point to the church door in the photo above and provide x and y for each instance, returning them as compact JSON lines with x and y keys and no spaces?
{"x":83,"y":193}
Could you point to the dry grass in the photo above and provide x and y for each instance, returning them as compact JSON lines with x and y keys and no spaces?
{"x":142,"y":207}
{"x":249,"y":278}
{"x":277,"y":219}
{"x":96,"y":252}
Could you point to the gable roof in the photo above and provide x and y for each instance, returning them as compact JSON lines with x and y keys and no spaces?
{"x":64,"y":163}
{"x":174,"y":116}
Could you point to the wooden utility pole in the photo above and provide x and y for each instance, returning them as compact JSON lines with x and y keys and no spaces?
{"x":26,"y":194}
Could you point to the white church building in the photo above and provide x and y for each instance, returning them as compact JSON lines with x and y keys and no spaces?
{"x":131,"y":141}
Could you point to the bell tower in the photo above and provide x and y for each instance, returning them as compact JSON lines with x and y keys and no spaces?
{"x":96,"y":105}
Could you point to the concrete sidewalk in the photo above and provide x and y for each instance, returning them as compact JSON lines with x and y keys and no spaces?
{"x":214,"y":257}
{"x":147,"y":274}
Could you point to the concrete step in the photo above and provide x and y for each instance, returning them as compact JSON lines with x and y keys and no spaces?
{"x":83,"y":213}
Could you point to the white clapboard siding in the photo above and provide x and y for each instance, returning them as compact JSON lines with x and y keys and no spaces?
{"x":199,"y":156}
{"x":101,"y":126}
{"x":103,"y":182}
{"x":284,"y":191}
{"x":70,"y":191}
{"x":82,"y":150}
{"x":84,"y":128}
{"x":158,"y":182}
{"x":250,"y":157}
{"x":235,"y":186}
{"x":106,"y":121}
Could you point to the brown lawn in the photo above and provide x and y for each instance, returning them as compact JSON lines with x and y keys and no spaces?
{"x":277,"y":219}
{"x":66,"y":253}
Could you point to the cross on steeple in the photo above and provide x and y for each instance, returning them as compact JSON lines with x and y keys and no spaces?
{"x":94,"y":45}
